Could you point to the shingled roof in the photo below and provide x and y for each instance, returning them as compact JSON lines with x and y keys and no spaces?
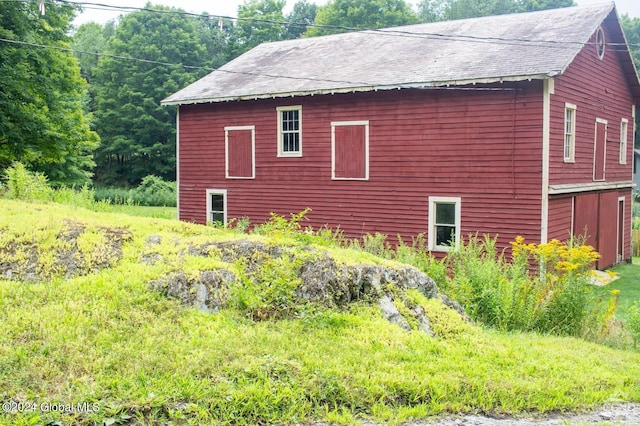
{"x":514,"y":47}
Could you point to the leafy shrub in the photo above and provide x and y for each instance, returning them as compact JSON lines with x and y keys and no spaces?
{"x":633,"y":322}
{"x":26,"y":185}
{"x":152,"y":191}
{"x":279,"y":226}
{"x":555,"y":298}
{"x":155,"y":191}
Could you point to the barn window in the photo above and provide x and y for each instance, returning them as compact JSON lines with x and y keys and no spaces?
{"x":350,"y":150}
{"x":240,"y":152}
{"x":444,"y":223}
{"x":624,"y":133}
{"x":217,"y":206}
{"x":569,"y":133}
{"x":290,"y":131}
{"x":600,"y":43}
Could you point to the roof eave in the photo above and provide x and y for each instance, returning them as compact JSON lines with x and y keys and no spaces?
{"x":372,"y":88}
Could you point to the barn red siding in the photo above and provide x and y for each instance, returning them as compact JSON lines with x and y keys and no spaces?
{"x":599,"y":89}
{"x":560,"y":217}
{"x":481,"y":145}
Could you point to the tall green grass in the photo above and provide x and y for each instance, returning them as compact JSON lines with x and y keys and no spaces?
{"x":106,"y":339}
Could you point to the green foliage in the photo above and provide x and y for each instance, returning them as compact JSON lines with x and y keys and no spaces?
{"x":633,"y":322}
{"x":280,"y":227}
{"x":502,"y":294}
{"x":269,"y":291}
{"x":302,"y":15}
{"x":345,"y":15}
{"x":107,"y":339}
{"x":152,"y":191}
{"x":138,"y":133}
{"x":23,"y":184}
{"x":259,"y":21}
{"x":42,"y":122}
{"x":446,"y":10}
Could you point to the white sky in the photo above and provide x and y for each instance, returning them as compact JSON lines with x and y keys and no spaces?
{"x":230,"y":7}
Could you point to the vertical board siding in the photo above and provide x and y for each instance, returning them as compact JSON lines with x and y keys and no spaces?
{"x":240,"y":153}
{"x":481,"y":145}
{"x":350,"y":152}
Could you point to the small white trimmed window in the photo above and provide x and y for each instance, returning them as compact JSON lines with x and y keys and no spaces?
{"x":624,"y":134}
{"x":217,"y":206}
{"x":569,"y":133}
{"x":444,"y":223}
{"x":290,"y":131}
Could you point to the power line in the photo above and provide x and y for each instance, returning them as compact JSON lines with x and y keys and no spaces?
{"x":386,"y":32}
{"x":193,"y":67}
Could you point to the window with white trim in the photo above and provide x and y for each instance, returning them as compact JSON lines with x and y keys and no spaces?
{"x":569,"y":133}
{"x":290,"y":131}
{"x":624,"y":134}
{"x":444,"y":223}
{"x":217,"y":206}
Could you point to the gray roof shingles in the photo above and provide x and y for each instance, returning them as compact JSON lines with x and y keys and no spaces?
{"x":488,"y":49}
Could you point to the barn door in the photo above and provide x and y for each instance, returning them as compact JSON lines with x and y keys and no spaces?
{"x":595,"y":216}
{"x":600,"y":150}
{"x":620,"y":229}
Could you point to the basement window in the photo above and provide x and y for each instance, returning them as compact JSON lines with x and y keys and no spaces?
{"x":290,"y":131}
{"x":217,"y":206}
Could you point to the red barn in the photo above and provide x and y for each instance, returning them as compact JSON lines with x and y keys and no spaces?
{"x":506,"y":125}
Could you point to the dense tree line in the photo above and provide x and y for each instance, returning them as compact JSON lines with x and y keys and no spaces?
{"x":54,"y":106}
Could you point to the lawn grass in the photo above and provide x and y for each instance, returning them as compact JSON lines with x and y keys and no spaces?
{"x":144,"y":211}
{"x":104,"y":338}
{"x":628,"y":284}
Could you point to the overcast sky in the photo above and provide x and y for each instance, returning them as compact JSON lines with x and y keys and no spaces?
{"x":230,"y":7}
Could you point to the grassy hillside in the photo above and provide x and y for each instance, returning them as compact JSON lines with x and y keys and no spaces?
{"x":85,"y":340}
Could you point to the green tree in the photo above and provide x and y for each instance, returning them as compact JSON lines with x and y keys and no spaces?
{"x":343,"y":14}
{"x":259,"y":21}
{"x":138,"y":134}
{"x":42,"y":122}
{"x":631,"y":27}
{"x":89,"y":42}
{"x":445,"y":10}
{"x":302,"y":15}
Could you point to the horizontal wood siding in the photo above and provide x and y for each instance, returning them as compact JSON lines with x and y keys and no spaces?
{"x":482,"y":144}
{"x":560,"y":217}
{"x":599,"y":89}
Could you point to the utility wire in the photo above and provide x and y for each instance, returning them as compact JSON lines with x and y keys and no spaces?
{"x":193,"y":67}
{"x":387,"y":32}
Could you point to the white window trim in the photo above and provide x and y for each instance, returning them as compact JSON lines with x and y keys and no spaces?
{"x":335,"y":124}
{"x":624,"y":135}
{"x":211,"y":192}
{"x":432,"y":222}
{"x":253,"y":151}
{"x":572,"y":144}
{"x":620,"y":256}
{"x":595,"y":147}
{"x":281,"y":152}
